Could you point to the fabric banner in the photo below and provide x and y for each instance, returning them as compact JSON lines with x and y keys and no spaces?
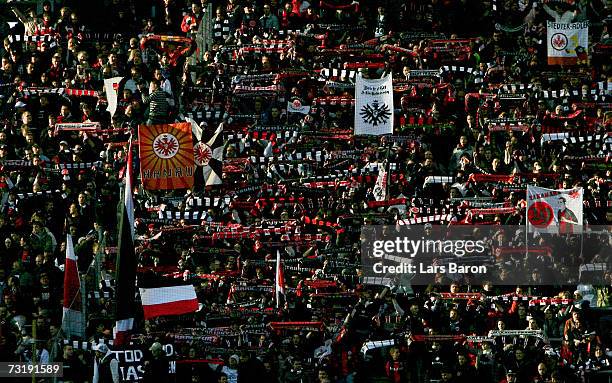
{"x":111,"y":88}
{"x":166,"y":156}
{"x":380,"y":188}
{"x":209,"y":155}
{"x":126,"y":262}
{"x":374,"y":106}
{"x":73,"y":323}
{"x":131,"y":361}
{"x":172,"y":300}
{"x":554,"y":211}
{"x":296,"y":106}
{"x":568,"y":43}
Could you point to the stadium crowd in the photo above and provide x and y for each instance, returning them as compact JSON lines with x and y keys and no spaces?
{"x":479,"y":114}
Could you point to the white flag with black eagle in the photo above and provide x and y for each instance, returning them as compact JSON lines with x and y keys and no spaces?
{"x":374,"y":106}
{"x":209,"y":155}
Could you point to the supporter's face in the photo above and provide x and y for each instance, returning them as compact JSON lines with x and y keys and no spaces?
{"x":501,"y":325}
{"x":395,"y":354}
{"x":533,"y":325}
{"x":322,"y":375}
{"x":461,"y":359}
{"x":542,"y":369}
{"x":548,"y":314}
{"x":519,"y":354}
{"x":26,"y":118}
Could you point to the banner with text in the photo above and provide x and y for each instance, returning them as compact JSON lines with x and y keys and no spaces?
{"x":374,"y":106}
{"x":166,"y":156}
{"x":131,"y":362}
{"x":554,"y":211}
{"x":568,"y":43}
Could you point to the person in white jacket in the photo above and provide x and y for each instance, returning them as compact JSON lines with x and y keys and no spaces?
{"x":565,"y":17}
{"x":106,"y":367}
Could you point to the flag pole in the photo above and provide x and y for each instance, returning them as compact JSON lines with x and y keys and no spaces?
{"x":527,"y":228}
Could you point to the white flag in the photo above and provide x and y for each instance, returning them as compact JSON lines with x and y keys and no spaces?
{"x":568,"y":43}
{"x":73,"y":321}
{"x":374,"y":106}
{"x":554,"y":211}
{"x":296,"y":106}
{"x":279,"y":284}
{"x":380,"y":188}
{"x":111,"y":88}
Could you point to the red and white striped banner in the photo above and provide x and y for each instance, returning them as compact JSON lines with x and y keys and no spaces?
{"x":173,"y":300}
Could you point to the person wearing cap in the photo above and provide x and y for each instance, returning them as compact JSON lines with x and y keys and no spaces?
{"x":106,"y":367}
{"x":64,"y":152}
{"x":156,"y":366}
{"x":510,"y":377}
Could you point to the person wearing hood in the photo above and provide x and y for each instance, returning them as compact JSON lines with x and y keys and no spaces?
{"x":231,"y":371}
{"x":106,"y":367}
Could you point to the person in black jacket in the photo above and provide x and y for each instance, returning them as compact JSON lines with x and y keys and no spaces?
{"x":250,"y":369}
{"x":157,"y":367}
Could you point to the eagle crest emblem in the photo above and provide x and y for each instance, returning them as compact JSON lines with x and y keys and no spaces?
{"x":376,"y":113}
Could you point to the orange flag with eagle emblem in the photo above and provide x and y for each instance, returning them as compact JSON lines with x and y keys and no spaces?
{"x":166,"y":156}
